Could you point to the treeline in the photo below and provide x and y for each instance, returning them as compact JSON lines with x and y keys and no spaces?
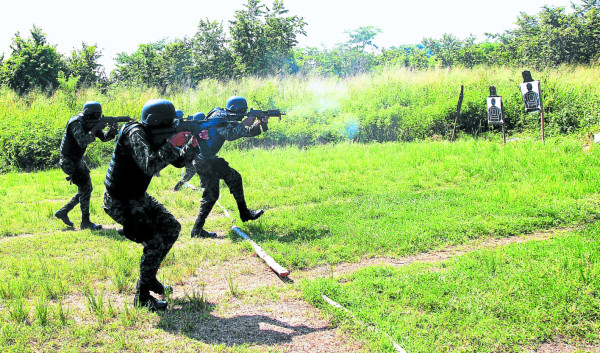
{"x":262,"y":41}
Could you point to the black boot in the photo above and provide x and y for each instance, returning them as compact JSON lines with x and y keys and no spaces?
{"x":198,"y":230}
{"x":178,"y":186}
{"x":159,"y":288}
{"x":247,"y":214}
{"x":63,"y":215}
{"x":201,"y":233}
{"x":144,"y":299}
{"x":87,"y":224}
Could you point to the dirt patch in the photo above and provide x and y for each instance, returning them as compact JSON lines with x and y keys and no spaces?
{"x":434,"y":256}
{"x":244,"y":303}
{"x":559,"y":346}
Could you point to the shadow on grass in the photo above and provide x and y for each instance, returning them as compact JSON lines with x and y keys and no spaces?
{"x":197,"y":322}
{"x":110,"y":233}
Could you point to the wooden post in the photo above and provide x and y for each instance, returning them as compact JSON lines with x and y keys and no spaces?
{"x":541,"y":110}
{"x":280,"y":270}
{"x":460,"y":99}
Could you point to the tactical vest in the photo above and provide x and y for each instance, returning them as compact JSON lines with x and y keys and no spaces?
{"x":125,"y":180}
{"x":68,"y":146}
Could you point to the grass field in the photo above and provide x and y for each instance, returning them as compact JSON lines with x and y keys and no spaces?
{"x":71,"y":290}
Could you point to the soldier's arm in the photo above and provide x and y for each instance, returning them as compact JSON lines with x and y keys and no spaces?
{"x":83,"y":139}
{"x":234,"y":132}
{"x":186,"y":156}
{"x":108,"y":135}
{"x":148,"y":160}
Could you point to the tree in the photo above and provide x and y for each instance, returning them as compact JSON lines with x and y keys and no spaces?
{"x":83,"y":64}
{"x":362,"y":38}
{"x":553,"y":37}
{"x":262,"y":39}
{"x":144,"y":67}
{"x":588,"y":16}
{"x":32,"y":64}
{"x":177,"y":59}
{"x":210,"y":52}
{"x":446,"y":50}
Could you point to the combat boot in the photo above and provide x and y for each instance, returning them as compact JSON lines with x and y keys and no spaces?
{"x":178,"y":186}
{"x":247,"y":214}
{"x":201,"y":233}
{"x":198,"y":230}
{"x":63,"y":215}
{"x":87,"y":224}
{"x":145,"y":300}
{"x":159,"y":288}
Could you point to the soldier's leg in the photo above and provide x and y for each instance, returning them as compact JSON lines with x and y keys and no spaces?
{"x":136,"y":218}
{"x":82,"y":179}
{"x":63,"y":212}
{"x":149,"y":223}
{"x":233,"y":180}
{"x":187,"y":175}
{"x":210,"y":195}
{"x":167,"y":229}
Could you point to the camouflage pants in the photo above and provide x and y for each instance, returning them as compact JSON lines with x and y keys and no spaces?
{"x":79,"y":174}
{"x":187,"y":175}
{"x":211,"y":171}
{"x":145,"y":221}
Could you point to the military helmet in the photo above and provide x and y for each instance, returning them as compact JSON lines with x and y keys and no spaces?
{"x":236,"y":104}
{"x":199,"y":116}
{"x":92,"y":108}
{"x":179,"y":113}
{"x":158,"y":112}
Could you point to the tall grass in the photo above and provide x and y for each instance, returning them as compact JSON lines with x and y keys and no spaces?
{"x":392,"y":105}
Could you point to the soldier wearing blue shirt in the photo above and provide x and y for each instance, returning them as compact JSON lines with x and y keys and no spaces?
{"x":211,"y":168}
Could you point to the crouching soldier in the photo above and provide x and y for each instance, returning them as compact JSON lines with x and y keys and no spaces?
{"x":78,"y":135}
{"x":135,"y":160}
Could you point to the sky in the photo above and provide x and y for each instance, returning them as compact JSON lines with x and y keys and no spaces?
{"x":117,"y":26}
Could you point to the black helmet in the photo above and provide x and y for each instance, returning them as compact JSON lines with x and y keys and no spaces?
{"x":198,"y":116}
{"x":236,"y":104}
{"x":158,"y":112}
{"x":92,"y":108}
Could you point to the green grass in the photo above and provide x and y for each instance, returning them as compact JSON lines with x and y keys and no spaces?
{"x":498,"y":300}
{"x":324,"y":205}
{"x":345,"y":202}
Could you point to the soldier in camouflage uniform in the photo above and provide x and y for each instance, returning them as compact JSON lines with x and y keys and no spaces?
{"x":189,"y":171}
{"x":211,"y":169}
{"x":136,"y":159}
{"x":78,"y":135}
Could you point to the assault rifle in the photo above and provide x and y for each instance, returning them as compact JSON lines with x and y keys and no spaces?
{"x":259,"y":114}
{"x":160,"y":136}
{"x":106,"y":120}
